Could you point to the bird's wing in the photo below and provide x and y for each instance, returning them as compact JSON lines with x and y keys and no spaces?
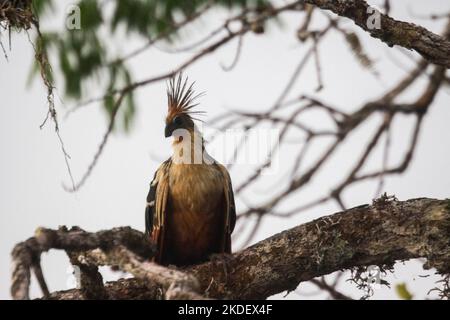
{"x":229,"y":209}
{"x":155,"y":211}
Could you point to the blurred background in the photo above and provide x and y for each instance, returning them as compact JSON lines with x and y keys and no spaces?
{"x":34,"y":175}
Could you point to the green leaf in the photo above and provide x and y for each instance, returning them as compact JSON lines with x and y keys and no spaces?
{"x":91,"y":16}
{"x":402,"y":291}
{"x":41,"y":7}
{"x":84,"y":55}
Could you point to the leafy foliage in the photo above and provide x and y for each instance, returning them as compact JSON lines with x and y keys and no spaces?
{"x":403,"y":292}
{"x":83,"y":56}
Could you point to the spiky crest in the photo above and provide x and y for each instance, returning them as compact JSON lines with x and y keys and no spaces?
{"x":181,"y":98}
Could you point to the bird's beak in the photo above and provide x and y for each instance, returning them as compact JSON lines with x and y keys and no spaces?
{"x":169,"y":130}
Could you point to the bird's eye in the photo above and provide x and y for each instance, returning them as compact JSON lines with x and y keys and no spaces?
{"x":177,"y":120}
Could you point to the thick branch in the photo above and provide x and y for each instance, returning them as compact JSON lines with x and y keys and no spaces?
{"x":124,"y":248}
{"x":27,"y":254}
{"x":132,"y":289}
{"x":379,"y":234}
{"x":367,"y":235}
{"x":431,"y":46}
{"x":175,"y":283}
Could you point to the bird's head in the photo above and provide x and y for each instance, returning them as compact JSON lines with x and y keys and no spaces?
{"x":181,"y":100}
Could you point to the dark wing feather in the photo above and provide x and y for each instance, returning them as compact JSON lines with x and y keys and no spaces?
{"x":232,"y":213}
{"x":150,"y":207}
{"x":229,"y":209}
{"x":155,"y":211}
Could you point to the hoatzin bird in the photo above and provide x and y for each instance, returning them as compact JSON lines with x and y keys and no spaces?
{"x":190,"y":212}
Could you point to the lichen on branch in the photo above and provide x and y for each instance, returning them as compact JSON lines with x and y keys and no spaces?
{"x":379,"y":234}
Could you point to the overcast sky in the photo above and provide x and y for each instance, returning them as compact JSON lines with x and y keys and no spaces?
{"x":32,"y":167}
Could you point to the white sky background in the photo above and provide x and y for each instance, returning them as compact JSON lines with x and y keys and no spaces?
{"x":32,"y":167}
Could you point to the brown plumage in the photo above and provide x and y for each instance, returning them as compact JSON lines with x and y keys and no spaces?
{"x":190,"y":211}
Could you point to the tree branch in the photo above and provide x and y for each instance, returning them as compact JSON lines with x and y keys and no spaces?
{"x":176,"y":283}
{"x":27,"y":254}
{"x":432,"y":47}
{"x":379,"y":234}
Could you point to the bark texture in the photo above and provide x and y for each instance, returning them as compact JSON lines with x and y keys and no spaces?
{"x":432,"y":47}
{"x":380,"y":234}
{"x":377,"y":234}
